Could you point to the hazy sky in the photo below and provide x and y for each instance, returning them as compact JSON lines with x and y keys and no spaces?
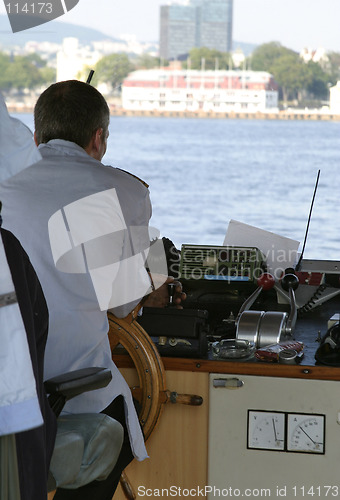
{"x":294,"y":23}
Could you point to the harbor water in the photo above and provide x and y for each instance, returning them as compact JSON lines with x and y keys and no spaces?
{"x":204,"y":172}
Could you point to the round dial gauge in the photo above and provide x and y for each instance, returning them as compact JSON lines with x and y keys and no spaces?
{"x":306,"y":433}
{"x":266,"y":430}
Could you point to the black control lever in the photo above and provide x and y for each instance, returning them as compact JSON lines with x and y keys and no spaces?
{"x":171,"y":291}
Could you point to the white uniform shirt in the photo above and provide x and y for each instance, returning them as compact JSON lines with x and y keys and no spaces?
{"x":19,"y":405}
{"x":78,"y":328}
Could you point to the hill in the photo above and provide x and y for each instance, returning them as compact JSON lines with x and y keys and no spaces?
{"x":53,"y":32}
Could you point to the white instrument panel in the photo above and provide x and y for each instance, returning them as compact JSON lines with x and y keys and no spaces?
{"x":273,"y":437}
{"x":284,"y":431}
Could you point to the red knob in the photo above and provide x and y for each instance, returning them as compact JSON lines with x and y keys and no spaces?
{"x":266,"y":281}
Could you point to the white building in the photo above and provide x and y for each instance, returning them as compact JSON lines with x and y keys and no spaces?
{"x":193,"y":90}
{"x":46,"y":50}
{"x":128,"y":44}
{"x":318,"y":55}
{"x":238,"y":58}
{"x":334,"y":99}
{"x":73,"y":59}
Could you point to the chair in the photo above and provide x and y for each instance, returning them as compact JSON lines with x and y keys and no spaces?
{"x":87,"y":445}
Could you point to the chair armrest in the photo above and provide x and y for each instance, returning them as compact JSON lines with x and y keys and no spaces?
{"x":74,"y":383}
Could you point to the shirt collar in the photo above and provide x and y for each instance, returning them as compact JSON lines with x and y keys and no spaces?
{"x":62,"y":147}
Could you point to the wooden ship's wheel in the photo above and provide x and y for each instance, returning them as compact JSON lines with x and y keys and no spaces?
{"x":151,"y":393}
{"x":149,"y":366}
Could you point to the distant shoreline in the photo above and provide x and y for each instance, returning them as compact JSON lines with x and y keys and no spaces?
{"x":278,"y":115}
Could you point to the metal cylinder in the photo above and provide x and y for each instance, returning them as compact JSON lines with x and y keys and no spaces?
{"x":248,"y":326}
{"x":272,"y":328}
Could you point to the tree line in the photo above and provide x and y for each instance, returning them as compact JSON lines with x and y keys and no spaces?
{"x":24,"y":72}
{"x":298,"y":81}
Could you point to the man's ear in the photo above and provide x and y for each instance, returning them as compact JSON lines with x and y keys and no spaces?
{"x":94,"y":146}
{"x":97,"y":139}
{"x":35,"y":138}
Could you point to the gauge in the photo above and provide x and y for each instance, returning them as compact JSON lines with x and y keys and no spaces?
{"x":306,"y":433}
{"x":266,"y":430}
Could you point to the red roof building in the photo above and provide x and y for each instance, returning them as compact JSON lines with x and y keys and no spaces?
{"x":193,"y":90}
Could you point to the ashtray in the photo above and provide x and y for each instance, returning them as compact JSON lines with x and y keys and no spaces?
{"x":233,"y":349}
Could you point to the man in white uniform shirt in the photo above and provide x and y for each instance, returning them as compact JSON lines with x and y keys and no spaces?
{"x":71,"y":129}
{"x":27,"y":423}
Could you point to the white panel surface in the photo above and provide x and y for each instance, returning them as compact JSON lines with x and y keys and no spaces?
{"x":235,"y":471}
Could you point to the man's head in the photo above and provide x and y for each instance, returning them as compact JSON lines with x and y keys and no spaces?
{"x":73,"y":111}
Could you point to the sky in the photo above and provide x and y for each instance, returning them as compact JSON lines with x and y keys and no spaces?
{"x":294,"y":23}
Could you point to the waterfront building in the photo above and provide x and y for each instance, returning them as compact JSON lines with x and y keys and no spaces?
{"x":238,"y":58}
{"x":318,"y":55}
{"x":199,"y":23}
{"x":192,"y":90}
{"x":72,"y":59}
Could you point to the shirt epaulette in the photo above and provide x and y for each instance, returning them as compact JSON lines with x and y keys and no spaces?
{"x":135,"y":176}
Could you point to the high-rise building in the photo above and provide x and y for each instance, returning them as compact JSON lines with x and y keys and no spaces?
{"x":199,"y":23}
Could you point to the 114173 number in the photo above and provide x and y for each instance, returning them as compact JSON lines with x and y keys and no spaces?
{"x":317,"y":491}
{"x":30,"y":8}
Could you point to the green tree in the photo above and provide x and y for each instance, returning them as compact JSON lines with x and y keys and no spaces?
{"x":317,"y":81}
{"x":112,"y":69}
{"x":35,"y":59}
{"x":23,"y":73}
{"x":295,"y":78}
{"x":19,"y":73}
{"x":4,"y":63}
{"x":291,"y":74}
{"x":145,"y":61}
{"x":266,"y":55}
{"x":333,"y":70}
{"x":212,"y":59}
{"x":48,"y":75}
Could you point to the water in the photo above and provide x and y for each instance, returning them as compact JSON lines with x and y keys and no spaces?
{"x":204,"y":172}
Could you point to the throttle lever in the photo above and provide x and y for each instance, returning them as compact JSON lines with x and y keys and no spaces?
{"x":290,"y":283}
{"x":265,"y":282}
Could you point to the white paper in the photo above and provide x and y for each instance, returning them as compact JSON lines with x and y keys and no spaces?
{"x":280,"y":252}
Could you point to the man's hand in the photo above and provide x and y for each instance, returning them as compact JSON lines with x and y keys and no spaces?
{"x":160,"y":296}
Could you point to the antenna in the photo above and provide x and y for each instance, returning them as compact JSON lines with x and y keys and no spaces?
{"x":298,"y":265}
{"x":89,"y":78}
